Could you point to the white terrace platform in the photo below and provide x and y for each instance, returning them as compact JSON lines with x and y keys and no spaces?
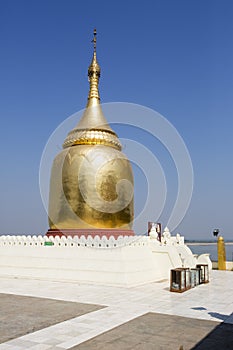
{"x":212,"y":301}
{"x":123,"y":261}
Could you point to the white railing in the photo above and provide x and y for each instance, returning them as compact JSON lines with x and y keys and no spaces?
{"x":76,"y":241}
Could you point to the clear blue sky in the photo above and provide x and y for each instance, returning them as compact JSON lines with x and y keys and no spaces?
{"x":174,"y":56}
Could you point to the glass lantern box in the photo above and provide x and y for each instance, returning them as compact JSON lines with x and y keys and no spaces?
{"x":195,"y":276}
{"x":204,"y":273}
{"x":180,"y":280}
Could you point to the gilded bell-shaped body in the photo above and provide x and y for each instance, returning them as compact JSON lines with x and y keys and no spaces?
{"x":91,"y":182}
{"x":91,"y":186}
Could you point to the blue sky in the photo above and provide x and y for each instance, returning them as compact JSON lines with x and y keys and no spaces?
{"x":174,"y":56}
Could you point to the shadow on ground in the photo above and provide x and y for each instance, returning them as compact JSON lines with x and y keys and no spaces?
{"x":221,"y":337}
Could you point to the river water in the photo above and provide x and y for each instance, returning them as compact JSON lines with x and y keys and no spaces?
{"x":212,"y":250}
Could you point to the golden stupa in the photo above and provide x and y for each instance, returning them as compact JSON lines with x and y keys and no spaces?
{"x":91,"y":185}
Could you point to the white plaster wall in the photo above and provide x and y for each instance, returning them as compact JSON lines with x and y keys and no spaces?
{"x":165,"y":258}
{"x":205,"y":259}
{"x":126,"y":261}
{"x":229,"y":265}
{"x":77,"y":260}
{"x":187,"y":258}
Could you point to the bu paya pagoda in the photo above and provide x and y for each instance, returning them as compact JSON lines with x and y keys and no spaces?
{"x":91,"y":185}
{"x":90,"y":238}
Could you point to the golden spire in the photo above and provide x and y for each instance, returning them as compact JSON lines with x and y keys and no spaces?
{"x":93,"y":127}
{"x":93,"y":77}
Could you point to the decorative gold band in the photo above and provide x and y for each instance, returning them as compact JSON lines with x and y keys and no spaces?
{"x":92,"y":137}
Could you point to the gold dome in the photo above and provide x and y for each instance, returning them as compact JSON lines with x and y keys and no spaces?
{"x":91,"y":183}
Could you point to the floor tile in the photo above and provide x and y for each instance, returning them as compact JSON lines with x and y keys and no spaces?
{"x":209,"y":302}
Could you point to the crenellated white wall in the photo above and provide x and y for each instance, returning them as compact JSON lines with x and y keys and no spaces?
{"x":122,"y":261}
{"x":125,"y":261}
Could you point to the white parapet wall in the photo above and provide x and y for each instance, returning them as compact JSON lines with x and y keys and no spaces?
{"x":125,"y":261}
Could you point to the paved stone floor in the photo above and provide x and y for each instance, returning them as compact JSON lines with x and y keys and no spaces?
{"x":152,"y":331}
{"x":145,"y":317}
{"x":21,"y":315}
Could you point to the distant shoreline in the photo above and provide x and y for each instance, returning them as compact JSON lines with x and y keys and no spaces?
{"x":206,"y":243}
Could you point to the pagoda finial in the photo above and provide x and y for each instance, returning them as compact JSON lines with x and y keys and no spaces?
{"x":93,"y":77}
{"x":94,"y":39}
{"x":93,"y":117}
